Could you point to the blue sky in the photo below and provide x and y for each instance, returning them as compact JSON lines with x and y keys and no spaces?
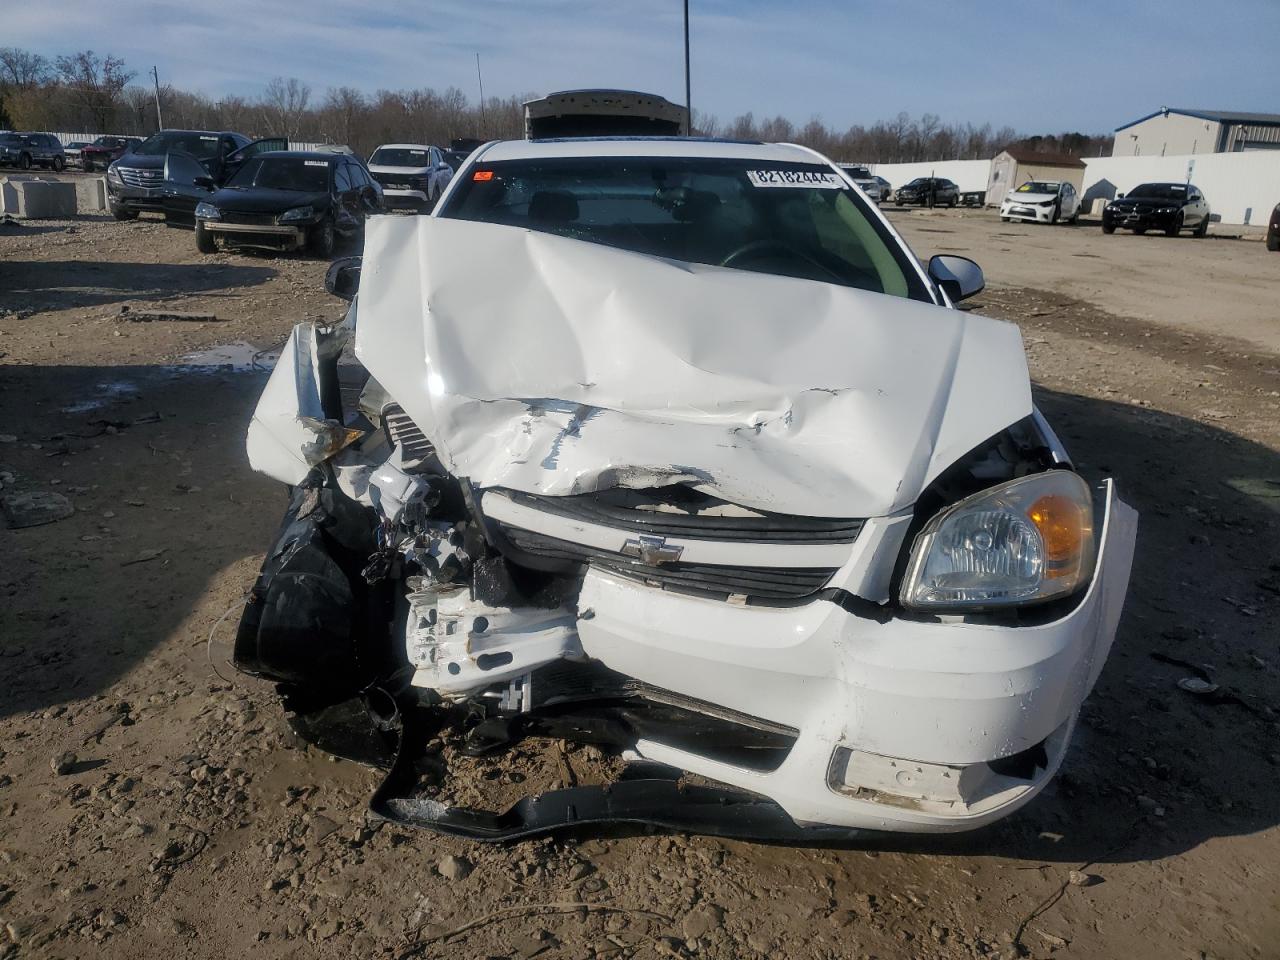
{"x":1038,"y":65}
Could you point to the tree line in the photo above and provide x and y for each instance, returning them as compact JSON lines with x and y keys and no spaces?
{"x":92,"y":93}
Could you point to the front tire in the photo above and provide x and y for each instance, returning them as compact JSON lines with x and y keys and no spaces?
{"x":24,"y":161}
{"x":59,"y":164}
{"x":1273,"y":242}
{"x":321,"y":240}
{"x":1174,"y":228}
{"x":1202,"y":228}
{"x":1140,"y":231}
{"x":1108,"y":228}
{"x":205,"y":241}
{"x":120,"y":213}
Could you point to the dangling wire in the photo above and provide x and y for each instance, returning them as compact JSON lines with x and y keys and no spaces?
{"x":208,"y":649}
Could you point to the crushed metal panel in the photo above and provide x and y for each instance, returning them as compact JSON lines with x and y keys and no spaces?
{"x":553,"y":366}
{"x":290,"y":433}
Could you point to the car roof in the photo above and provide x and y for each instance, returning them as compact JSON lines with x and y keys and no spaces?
{"x":404,"y":146}
{"x":644,"y":147}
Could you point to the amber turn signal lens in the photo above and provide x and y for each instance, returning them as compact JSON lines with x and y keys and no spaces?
{"x":1064,"y":525}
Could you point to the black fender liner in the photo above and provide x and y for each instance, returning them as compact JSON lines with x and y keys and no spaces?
{"x":310,"y":619}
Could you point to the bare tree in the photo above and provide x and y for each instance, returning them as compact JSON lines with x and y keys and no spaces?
{"x":95,"y":83}
{"x":22,"y":70}
{"x":284,"y":104}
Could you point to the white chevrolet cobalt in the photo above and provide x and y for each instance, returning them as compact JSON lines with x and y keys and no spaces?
{"x":1042,"y":201}
{"x":674,"y":447}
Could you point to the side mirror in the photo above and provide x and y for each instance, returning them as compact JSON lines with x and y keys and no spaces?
{"x":343,"y":277}
{"x":959,"y":277}
{"x":1119,"y":196}
{"x":206,"y":182}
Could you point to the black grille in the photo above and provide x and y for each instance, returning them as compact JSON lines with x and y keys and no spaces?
{"x":766,"y":583}
{"x":694,"y":521}
{"x":250,"y":219}
{"x":403,"y":432}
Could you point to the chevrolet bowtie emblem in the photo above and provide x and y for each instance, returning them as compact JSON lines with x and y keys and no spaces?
{"x":651,"y":550}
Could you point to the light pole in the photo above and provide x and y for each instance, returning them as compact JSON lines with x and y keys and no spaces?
{"x":688,"y":99}
{"x":155,"y":75}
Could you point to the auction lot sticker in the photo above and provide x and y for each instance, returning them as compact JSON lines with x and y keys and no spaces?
{"x":795,"y":178}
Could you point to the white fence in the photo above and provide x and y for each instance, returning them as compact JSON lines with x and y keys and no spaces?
{"x":66,"y":138}
{"x":1240,"y":187}
{"x":968,"y":175}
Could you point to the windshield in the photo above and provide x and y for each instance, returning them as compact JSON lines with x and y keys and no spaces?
{"x":400,"y":157}
{"x":202,"y":146}
{"x":1039,"y":186}
{"x":1160,"y":191}
{"x":858,"y":173}
{"x":790,"y":219}
{"x":283,"y":173}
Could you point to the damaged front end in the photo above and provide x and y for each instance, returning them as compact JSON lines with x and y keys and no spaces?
{"x":658,"y":515}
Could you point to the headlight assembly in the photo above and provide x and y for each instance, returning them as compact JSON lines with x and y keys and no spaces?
{"x":1022,"y":542}
{"x":113,"y":174}
{"x":297,"y":213}
{"x":207,"y":211}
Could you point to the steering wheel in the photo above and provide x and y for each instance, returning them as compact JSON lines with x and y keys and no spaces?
{"x":756,"y":248}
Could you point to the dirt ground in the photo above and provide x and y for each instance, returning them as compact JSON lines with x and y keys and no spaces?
{"x":152,"y":803}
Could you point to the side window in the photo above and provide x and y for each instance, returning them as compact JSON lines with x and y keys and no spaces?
{"x":358,"y":178}
{"x":341,"y":179}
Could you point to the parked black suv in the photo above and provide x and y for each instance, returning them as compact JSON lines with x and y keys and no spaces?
{"x":25,"y":150}
{"x":285,"y":200}
{"x":1170,"y":207}
{"x":136,"y":182}
{"x":928,"y":192}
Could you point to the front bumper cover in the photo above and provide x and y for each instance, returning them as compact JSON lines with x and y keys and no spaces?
{"x":1021,"y":211}
{"x":941,"y":695}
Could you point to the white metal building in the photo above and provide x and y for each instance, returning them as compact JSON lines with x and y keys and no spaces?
{"x":1173,"y":132}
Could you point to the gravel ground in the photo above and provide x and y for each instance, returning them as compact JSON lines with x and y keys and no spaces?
{"x":152,"y":804}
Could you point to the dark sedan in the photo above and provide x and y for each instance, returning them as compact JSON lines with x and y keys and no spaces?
{"x":928,"y":192}
{"x":286,"y":200}
{"x":1170,"y":207}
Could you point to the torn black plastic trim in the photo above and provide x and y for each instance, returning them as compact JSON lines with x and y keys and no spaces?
{"x":652,"y":802}
{"x":310,"y":619}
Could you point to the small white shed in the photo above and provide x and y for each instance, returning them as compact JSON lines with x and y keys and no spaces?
{"x":1015,"y":166}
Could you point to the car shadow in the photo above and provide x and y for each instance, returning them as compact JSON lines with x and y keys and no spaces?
{"x":153,"y":461}
{"x":166,"y":503}
{"x":40,"y":285}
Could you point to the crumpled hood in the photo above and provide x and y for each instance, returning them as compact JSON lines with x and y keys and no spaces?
{"x":557,"y":366}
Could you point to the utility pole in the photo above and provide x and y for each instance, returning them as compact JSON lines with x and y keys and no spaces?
{"x":480,"y":80}
{"x":688,"y":99}
{"x":155,"y":75}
